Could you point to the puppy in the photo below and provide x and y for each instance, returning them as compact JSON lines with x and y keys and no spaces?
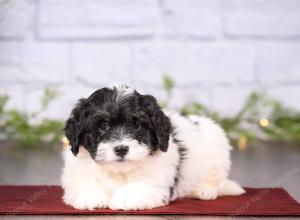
{"x":127,"y":154}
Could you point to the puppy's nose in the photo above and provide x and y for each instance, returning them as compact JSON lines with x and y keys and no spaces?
{"x":121,"y":150}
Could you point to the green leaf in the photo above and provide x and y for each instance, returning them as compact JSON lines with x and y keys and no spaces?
{"x":3,"y":101}
{"x":49,"y":95}
{"x":168,"y":84}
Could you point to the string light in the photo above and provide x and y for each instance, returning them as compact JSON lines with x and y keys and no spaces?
{"x":65,"y":142}
{"x":242,"y":144}
{"x":264,"y":122}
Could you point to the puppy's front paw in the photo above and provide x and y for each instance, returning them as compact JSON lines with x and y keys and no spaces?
{"x":136,"y":197}
{"x":206,"y":192}
{"x":89,"y":201}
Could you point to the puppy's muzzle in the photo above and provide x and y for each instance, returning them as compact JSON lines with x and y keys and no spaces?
{"x":121,"y":150}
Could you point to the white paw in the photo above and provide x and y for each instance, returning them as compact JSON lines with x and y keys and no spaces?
{"x":207,"y":192}
{"x":89,"y":201}
{"x":136,"y":197}
{"x":230,"y":188}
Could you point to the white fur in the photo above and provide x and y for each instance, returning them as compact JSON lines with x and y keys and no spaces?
{"x":123,"y":91}
{"x":145,"y":184}
{"x":136,"y":151}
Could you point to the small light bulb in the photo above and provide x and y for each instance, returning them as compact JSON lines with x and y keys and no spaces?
{"x":264,"y":122}
{"x":242,"y":144}
{"x":65,"y":142}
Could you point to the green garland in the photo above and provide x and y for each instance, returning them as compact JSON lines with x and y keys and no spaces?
{"x":27,"y":129}
{"x":260,"y":117}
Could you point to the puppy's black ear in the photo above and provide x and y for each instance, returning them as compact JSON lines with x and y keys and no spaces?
{"x":160,"y":123}
{"x":75,"y":125}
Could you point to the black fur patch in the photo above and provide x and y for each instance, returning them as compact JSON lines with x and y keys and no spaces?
{"x":182,"y":151}
{"x":100,"y":117}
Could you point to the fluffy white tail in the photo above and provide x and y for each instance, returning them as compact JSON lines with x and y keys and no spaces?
{"x":230,"y":188}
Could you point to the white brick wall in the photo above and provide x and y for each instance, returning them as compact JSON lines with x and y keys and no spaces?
{"x":98,"y":64}
{"x":262,"y":18}
{"x":217,"y":51}
{"x":191,"y":18}
{"x":17,"y":18}
{"x":194,"y":63}
{"x":97,"y":19}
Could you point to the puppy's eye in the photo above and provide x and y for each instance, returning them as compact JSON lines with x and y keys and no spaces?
{"x":103,"y":126}
{"x":136,"y":123}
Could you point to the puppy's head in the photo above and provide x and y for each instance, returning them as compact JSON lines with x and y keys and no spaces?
{"x":118,"y":124}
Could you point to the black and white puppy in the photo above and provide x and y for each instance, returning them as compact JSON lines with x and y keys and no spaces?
{"x":126,"y":153}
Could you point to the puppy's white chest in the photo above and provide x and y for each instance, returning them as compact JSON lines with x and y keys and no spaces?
{"x":112,"y":181}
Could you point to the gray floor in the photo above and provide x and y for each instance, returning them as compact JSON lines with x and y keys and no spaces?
{"x":259,"y":165}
